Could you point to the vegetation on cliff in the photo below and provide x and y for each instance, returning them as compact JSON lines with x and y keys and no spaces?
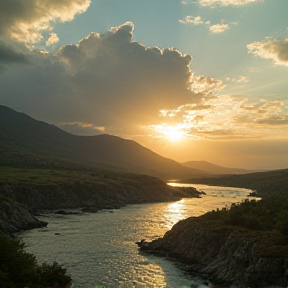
{"x":266,"y":219}
{"x":89,"y":187}
{"x":244,"y":244}
{"x":24,"y":189}
{"x":20,"y":269}
{"x":266,"y":183}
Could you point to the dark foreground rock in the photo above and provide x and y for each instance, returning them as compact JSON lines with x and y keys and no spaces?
{"x":222,"y":255}
{"x":15,"y":217}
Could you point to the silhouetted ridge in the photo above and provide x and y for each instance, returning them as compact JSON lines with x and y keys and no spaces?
{"x":215,"y":169}
{"x":24,"y":137}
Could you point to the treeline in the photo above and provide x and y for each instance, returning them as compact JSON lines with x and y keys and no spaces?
{"x":268,"y":214}
{"x":19,"y":269}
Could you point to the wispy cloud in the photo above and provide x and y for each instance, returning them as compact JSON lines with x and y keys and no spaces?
{"x":206,"y":85}
{"x":226,"y":117}
{"x":214,"y":28}
{"x":196,"y":20}
{"x":253,"y":69}
{"x":276,"y":50}
{"x":214,"y":3}
{"x":80,"y":128}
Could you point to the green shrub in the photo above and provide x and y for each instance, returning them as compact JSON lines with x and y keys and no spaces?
{"x":51,"y":274}
{"x":19,"y":268}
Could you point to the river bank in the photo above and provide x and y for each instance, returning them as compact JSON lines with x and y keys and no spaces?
{"x":226,"y":256}
{"x":21,"y":202}
{"x":99,"y":248}
{"x":231,"y":246}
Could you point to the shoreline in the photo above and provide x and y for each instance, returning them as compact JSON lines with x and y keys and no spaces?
{"x":21,"y":203}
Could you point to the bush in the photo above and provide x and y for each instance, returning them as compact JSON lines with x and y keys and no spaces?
{"x":19,"y":268}
{"x":51,"y":274}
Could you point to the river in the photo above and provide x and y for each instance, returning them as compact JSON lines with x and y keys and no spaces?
{"x":99,"y":250}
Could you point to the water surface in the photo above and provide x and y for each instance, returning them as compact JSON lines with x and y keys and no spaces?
{"x":99,"y":248}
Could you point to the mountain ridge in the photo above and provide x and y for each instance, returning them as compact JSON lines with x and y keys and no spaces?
{"x":21,"y":135}
{"x":217,"y":169}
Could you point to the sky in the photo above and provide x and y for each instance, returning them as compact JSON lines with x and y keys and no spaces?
{"x":190,"y":80}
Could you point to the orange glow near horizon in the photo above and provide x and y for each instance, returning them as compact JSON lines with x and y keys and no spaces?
{"x":173,"y":134}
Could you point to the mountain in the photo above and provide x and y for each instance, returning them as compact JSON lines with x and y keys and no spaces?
{"x":26,"y":140}
{"x":214,"y":169}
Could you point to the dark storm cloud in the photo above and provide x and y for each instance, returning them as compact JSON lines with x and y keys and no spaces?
{"x":8,"y":55}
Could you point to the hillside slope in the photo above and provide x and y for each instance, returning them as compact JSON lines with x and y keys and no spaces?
{"x":24,"y":139}
{"x":215,"y":169}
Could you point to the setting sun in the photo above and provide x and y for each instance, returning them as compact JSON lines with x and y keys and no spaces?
{"x":173,"y":133}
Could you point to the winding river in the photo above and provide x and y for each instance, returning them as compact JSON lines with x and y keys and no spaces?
{"x":98,"y":249}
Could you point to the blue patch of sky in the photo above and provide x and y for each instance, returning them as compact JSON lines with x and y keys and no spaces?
{"x":214,"y":55}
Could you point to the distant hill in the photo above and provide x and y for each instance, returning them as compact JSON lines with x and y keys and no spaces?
{"x":215,"y":169}
{"x":26,"y":140}
{"x":266,"y":183}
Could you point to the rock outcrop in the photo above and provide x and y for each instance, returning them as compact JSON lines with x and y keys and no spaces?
{"x":223,"y":255}
{"x":15,"y":217}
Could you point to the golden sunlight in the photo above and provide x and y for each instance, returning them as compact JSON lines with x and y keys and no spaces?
{"x":174,"y":213}
{"x":173,"y":133}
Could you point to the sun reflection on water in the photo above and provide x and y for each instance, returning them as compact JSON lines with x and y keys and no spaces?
{"x":174,"y":212}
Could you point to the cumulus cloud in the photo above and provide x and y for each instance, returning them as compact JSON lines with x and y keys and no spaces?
{"x":206,"y":85}
{"x":277,"y":50}
{"x":52,"y":39}
{"x":117,"y":85}
{"x":106,"y":80}
{"x":219,"y":28}
{"x":214,"y":3}
{"x":25,"y":20}
{"x":196,"y":20}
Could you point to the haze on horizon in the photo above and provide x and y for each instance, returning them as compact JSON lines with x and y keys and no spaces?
{"x":191,"y":80}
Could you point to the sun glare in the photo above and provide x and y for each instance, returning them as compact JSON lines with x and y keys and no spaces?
{"x":173,"y":134}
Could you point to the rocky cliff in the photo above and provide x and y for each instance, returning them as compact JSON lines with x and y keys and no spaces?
{"x":102,"y":195}
{"x":15,"y":217}
{"x":223,"y":255}
{"x":18,"y":200}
